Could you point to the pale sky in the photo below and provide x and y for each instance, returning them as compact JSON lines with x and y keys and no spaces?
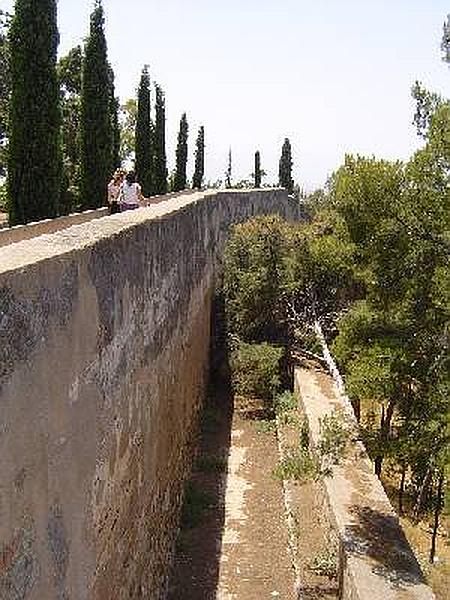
{"x":332,"y":75}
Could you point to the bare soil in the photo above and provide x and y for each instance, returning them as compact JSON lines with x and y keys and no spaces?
{"x":239,"y":547}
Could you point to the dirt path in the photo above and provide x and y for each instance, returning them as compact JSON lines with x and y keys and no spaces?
{"x":238,"y":547}
{"x":255,"y":562}
{"x":235,"y":543}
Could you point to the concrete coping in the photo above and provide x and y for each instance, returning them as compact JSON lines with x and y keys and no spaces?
{"x":78,"y":236}
{"x":376,"y":560}
{"x":18,"y":233}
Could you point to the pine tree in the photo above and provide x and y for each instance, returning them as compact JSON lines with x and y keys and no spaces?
{"x":96,"y":130}
{"x":159,"y":156}
{"x":181,"y":155}
{"x":143,"y":141}
{"x":228,"y":171}
{"x":257,"y":169}
{"x":34,"y":162}
{"x":285,"y":168}
{"x":199,"y":159}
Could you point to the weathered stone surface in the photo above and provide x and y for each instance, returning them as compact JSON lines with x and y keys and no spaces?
{"x":376,"y":561}
{"x":104,"y":342}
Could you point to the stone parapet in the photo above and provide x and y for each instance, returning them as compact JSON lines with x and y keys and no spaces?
{"x":104,"y":354}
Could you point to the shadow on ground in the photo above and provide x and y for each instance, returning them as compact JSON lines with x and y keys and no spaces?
{"x":195,"y":571}
{"x":379,"y":537}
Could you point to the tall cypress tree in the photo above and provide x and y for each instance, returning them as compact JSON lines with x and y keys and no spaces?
{"x":159,"y":156}
{"x":199,"y":159}
{"x":285,"y":167}
{"x":96,"y":130}
{"x":257,"y":169}
{"x":143,"y":132}
{"x":34,"y":162}
{"x":181,"y":155}
{"x":228,"y":171}
{"x":114,"y":106}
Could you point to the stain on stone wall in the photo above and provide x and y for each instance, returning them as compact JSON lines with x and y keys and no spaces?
{"x":18,"y":564}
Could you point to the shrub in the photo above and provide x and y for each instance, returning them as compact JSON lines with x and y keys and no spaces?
{"x":255,"y":370}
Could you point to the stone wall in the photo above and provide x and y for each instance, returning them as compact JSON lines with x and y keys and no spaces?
{"x":104,"y":341}
{"x":376,"y":561}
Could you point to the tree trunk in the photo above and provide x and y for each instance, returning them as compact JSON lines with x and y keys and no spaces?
{"x":437,"y":512}
{"x":385,"y":429}
{"x":422,"y":493}
{"x":401,"y":491}
{"x":356,"y":404}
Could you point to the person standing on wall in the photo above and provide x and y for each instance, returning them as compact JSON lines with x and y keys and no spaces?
{"x":131,"y":196}
{"x":114,"y":191}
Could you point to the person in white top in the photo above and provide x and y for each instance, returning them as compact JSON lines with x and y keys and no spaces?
{"x":114,"y":191}
{"x":130,"y":195}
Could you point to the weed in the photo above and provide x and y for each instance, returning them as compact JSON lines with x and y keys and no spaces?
{"x":266,"y":426}
{"x":299,"y":465}
{"x":287,"y":418}
{"x":335,"y":433}
{"x":304,"y":435}
{"x":212,"y":464}
{"x":325,"y":563}
{"x":195,"y":503}
{"x":285,"y":402}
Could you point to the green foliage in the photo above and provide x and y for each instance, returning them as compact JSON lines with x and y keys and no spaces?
{"x":325,"y":563}
{"x":426,"y":105}
{"x":254,"y":264}
{"x":96,"y":126}
{"x":266,"y":426}
{"x":3,"y":198}
{"x":199,"y":168}
{"x":143,"y":135}
{"x":114,"y":108}
{"x":181,"y":155}
{"x":127,"y":124}
{"x":299,"y":465}
{"x":255,"y":370}
{"x":69,"y":74}
{"x":159,"y":147}
{"x":257,"y":169}
{"x":335,"y":434}
{"x":34,"y":157}
{"x":285,"y":167}
{"x":285,"y":402}
{"x":5,"y":88}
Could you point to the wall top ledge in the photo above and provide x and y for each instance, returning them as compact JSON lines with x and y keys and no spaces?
{"x":77,"y":237}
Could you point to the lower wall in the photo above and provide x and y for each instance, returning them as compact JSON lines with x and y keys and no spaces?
{"x":104,"y":343}
{"x":376,"y":561}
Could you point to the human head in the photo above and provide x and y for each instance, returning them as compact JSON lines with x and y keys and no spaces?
{"x":130,"y":177}
{"x":118,"y":176}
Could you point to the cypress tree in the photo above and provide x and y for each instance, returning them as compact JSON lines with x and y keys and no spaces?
{"x":181,"y":155}
{"x":285,"y":167}
{"x":34,"y":162}
{"x":143,"y":142}
{"x":199,"y":159}
{"x":96,"y":130}
{"x":159,"y":156}
{"x":228,"y":171}
{"x":114,"y":106}
{"x":257,"y":169}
